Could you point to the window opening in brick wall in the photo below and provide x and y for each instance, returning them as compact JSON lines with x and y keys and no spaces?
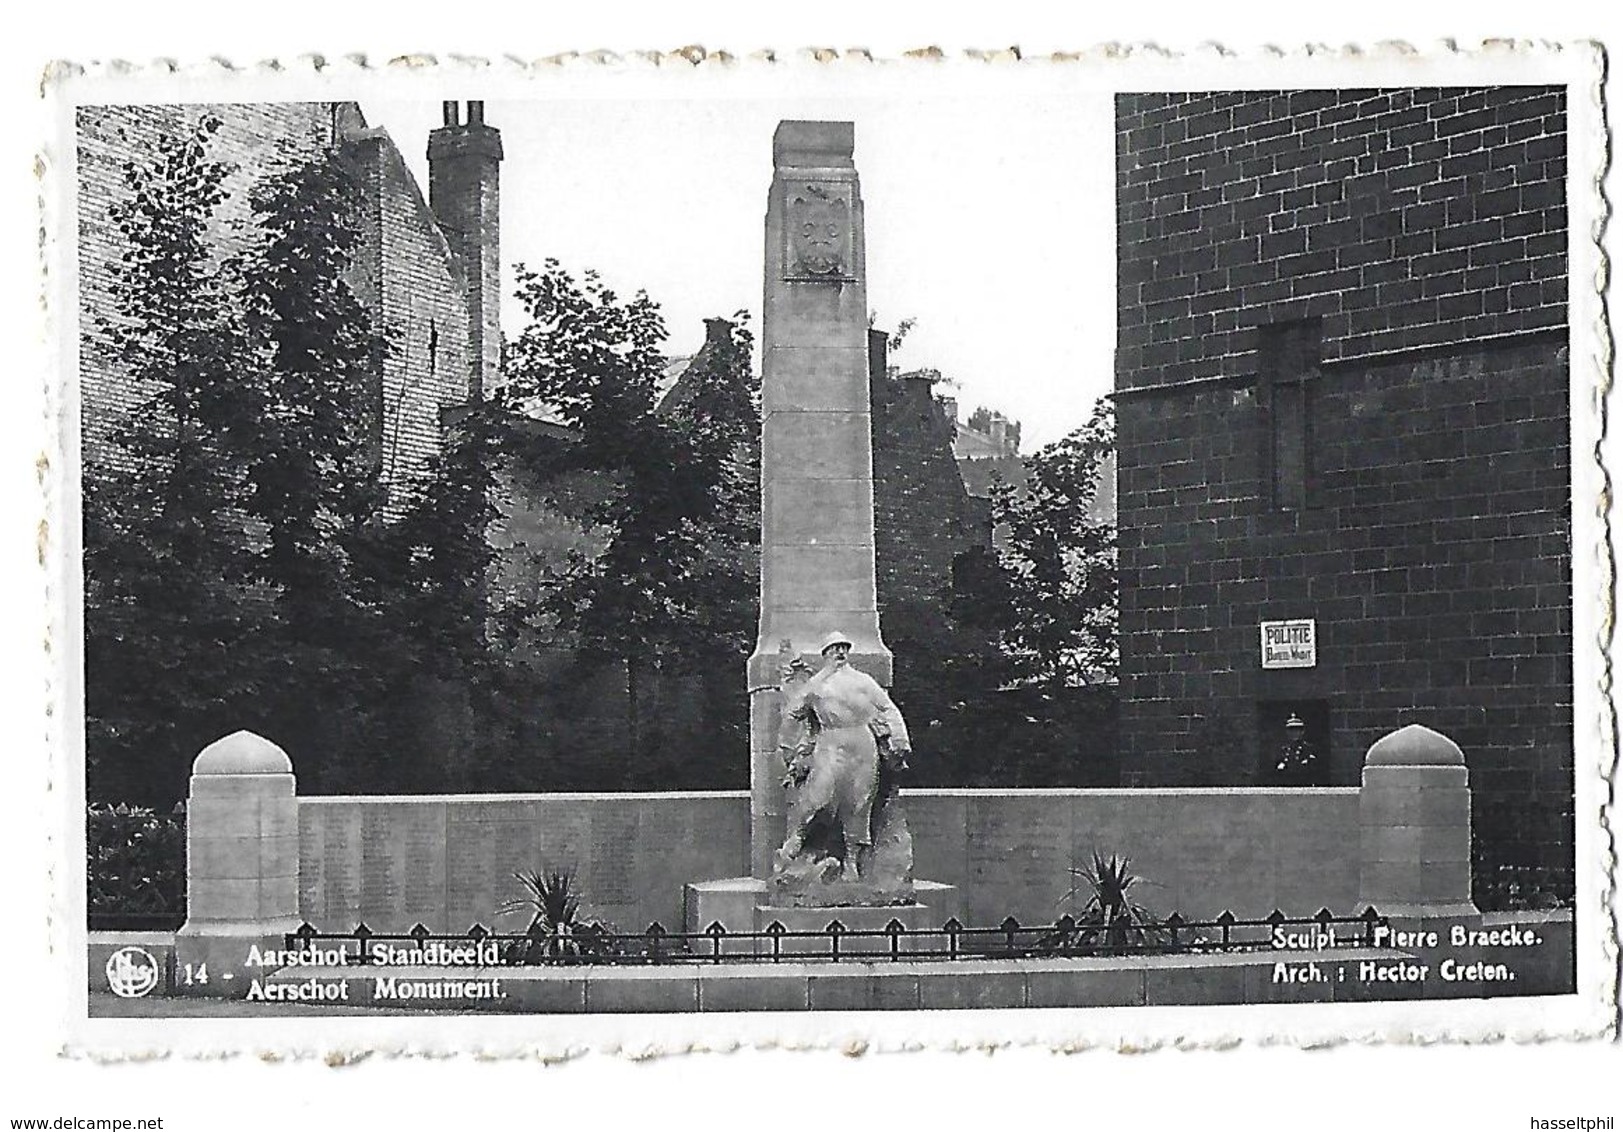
{"x":1288,"y":361}
{"x":1290,"y":446}
{"x":1293,"y":740}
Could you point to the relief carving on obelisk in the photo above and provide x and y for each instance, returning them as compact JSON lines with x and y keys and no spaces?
{"x":817,"y":233}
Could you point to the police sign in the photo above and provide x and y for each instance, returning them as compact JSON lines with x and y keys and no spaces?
{"x":1289,"y":644}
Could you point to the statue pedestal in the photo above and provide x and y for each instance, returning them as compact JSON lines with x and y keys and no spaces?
{"x":730,"y":903}
{"x":739,"y":904}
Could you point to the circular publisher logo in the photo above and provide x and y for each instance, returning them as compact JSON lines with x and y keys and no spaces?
{"x":132,"y":972}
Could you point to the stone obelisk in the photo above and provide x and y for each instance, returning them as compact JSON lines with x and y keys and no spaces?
{"x":817,"y":542}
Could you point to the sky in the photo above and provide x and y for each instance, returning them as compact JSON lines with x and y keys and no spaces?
{"x":990,"y":221}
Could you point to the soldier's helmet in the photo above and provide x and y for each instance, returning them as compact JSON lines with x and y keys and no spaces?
{"x":835,"y":638}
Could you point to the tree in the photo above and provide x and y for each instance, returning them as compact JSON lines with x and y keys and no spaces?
{"x":166,"y":556}
{"x":675,"y":576}
{"x":238,"y":573}
{"x":333,"y":647}
{"x":1036,"y":707}
{"x":311,"y":457}
{"x":717,"y":426}
{"x":1051,"y":591}
{"x":444,"y":542}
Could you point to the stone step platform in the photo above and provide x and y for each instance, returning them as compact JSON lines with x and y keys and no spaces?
{"x":1170,"y":980}
{"x":741,"y":904}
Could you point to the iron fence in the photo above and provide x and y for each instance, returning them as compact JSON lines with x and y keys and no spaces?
{"x":592,"y":943}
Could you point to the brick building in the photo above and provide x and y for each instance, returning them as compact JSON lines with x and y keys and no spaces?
{"x":427,"y":270}
{"x":923,"y":515}
{"x":1342,"y":395}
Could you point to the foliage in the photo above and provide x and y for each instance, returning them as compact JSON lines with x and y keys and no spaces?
{"x":329,"y":578}
{"x":894,"y":338}
{"x":558,"y":929}
{"x":237,"y":573}
{"x":1021,"y":736}
{"x":981,"y":421}
{"x":444,"y":540}
{"x":166,"y":559}
{"x":1110,"y":920}
{"x":675,"y":578}
{"x":1050,"y":593}
{"x":136,"y":864}
{"x":310,"y":456}
{"x":685,"y":485}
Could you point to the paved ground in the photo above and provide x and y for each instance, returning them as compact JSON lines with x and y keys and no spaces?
{"x":105,"y":1005}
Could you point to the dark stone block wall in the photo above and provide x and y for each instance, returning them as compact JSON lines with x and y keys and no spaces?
{"x":1420,"y":237}
{"x":1403,"y":218}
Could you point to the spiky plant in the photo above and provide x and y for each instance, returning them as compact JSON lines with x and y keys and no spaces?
{"x":1110,"y":919}
{"x":557,"y":931}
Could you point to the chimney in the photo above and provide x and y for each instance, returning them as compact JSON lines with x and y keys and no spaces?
{"x":949,"y":409}
{"x":878,"y":357}
{"x":917,"y":383}
{"x":718,"y":331}
{"x":464,"y":191}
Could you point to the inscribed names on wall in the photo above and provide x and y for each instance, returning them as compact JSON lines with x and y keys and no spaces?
{"x":670,"y":831}
{"x":330,"y":871}
{"x":1019,"y":858}
{"x":937,"y":823}
{"x":469,"y":863}
{"x":612,"y":849}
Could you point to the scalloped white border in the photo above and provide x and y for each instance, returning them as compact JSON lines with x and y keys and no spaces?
{"x":694,"y":72}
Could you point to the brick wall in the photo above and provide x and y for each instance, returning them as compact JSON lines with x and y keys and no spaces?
{"x":1424,"y":231}
{"x":249,"y":139}
{"x":403,"y":273}
{"x":923,"y":516}
{"x":465,"y":195}
{"x":416,"y":291}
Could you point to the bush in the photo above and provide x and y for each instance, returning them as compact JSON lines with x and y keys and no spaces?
{"x":136,"y":870}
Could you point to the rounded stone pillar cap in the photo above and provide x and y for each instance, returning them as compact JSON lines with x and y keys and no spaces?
{"x":242,"y":752}
{"x":1415,"y":745}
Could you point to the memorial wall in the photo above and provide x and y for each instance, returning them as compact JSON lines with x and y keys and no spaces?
{"x":448,"y":861}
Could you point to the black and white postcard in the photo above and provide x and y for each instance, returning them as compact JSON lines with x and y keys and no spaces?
{"x":1099,"y":549}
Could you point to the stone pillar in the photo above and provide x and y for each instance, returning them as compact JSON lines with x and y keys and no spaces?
{"x":242,"y":864}
{"x":817,"y":547}
{"x":1414,"y":816}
